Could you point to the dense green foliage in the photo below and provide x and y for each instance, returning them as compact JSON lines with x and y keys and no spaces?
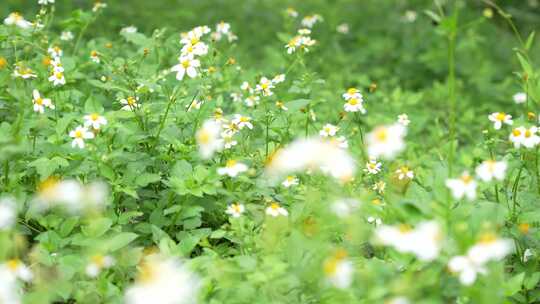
{"x":142,"y":188}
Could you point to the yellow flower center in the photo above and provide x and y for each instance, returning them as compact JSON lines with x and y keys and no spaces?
{"x":466,"y":178}
{"x":39,"y":101}
{"x":404,"y":228}
{"x":194,"y":40}
{"x":13,"y":264}
{"x":501,"y":116}
{"x":353,"y":101}
{"x":528,"y":133}
{"x":99,"y":260}
{"x":185,"y":64}
{"x":231,"y":163}
{"x":381,"y":134}
{"x":146,"y":274}
{"x":404,"y":170}
{"x":236,"y":208}
{"x":94,"y":54}
{"x":274,"y":206}
{"x":131,"y":100}
{"x":203,"y":137}
{"x":352,"y":91}
{"x":59,"y":75}
{"x":78,"y":134}
{"x":516,"y":132}
{"x":17,"y":16}
{"x":244,"y":119}
{"x":488,"y":238}
{"x":94,"y":116}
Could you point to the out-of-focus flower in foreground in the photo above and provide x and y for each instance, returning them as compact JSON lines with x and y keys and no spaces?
{"x":386,"y":141}
{"x":424,"y":241}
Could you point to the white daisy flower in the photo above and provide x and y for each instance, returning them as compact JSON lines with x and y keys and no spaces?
{"x":232,"y":168}
{"x":95,"y":121}
{"x":235,"y":209}
{"x":55,"y":51}
{"x":242,"y":121}
{"x":522,"y":136}
{"x":403,"y":119}
{"x":328,"y":130}
{"x":41,"y":103}
{"x":373,"y":166}
{"x":353,"y":93}
{"x":57,"y":78}
{"x":404,"y":173}
{"x":276,"y":210}
{"x":500,"y":118}
{"x":290,"y":181}
{"x":354,"y":105}
{"x":265,"y":87}
{"x":130,"y":103}
{"x":188,"y":65}
{"x":45,"y":2}
{"x":79,"y":135}
{"x":94,"y":56}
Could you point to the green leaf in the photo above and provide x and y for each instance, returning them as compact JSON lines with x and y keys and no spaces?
{"x":45,"y":167}
{"x":530,"y":40}
{"x":120,"y":240}
{"x":513,"y":285}
{"x":147,"y":178}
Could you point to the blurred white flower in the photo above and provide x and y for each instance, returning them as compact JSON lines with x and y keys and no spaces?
{"x":71,"y":195}
{"x":424,"y":241}
{"x":309,"y":21}
{"x":55,"y":51}
{"x":94,"y":56}
{"x":344,"y":207}
{"x":235,"y":209}
{"x":17,"y":20}
{"x":410,"y":16}
{"x":312,"y":154}
{"x":374,"y":220}
{"x":66,"y":36}
{"x":23,"y":72}
{"x":490,"y":169}
{"x":403,"y":119}
{"x":276,"y":210}
{"x":8,"y":213}
{"x":520,"y":97}
{"x":97,"y":264}
{"x":232,"y":168}
{"x":489,"y":248}
{"x":498,"y":118}
{"x":290,"y":181}
{"x":386,"y":141}
{"x":339,"y":270}
{"x":464,"y":186}
{"x":354,"y":105}
{"x":528,"y":254}
{"x":163,"y":281}
{"x":404,"y":173}
{"x":328,"y":130}
{"x":129,"y":29}
{"x":10,"y":292}
{"x":18,"y":269}
{"x":208,"y":138}
{"x":45,"y":2}
{"x":343,"y":28}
